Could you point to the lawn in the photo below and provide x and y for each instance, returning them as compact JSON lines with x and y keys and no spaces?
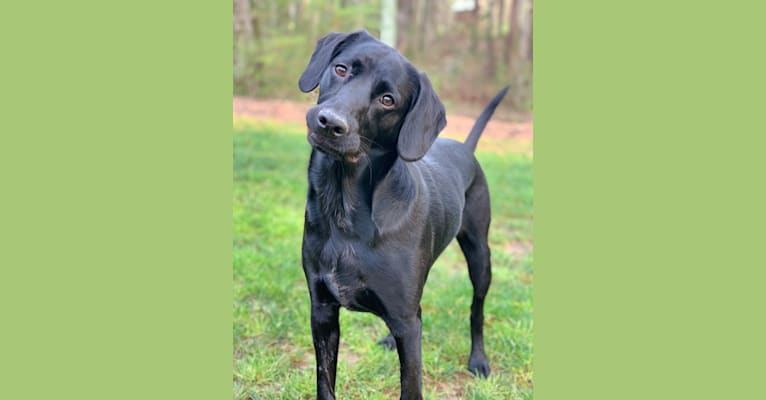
{"x":273,"y":353}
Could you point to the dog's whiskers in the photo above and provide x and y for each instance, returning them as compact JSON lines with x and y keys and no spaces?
{"x":369,"y":162}
{"x":369,"y":141}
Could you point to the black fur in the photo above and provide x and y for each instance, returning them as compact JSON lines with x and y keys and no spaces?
{"x":385,"y":198}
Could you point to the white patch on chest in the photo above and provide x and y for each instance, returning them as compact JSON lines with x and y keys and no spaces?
{"x":340,"y":266}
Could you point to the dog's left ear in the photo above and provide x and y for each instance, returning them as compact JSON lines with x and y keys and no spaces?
{"x":326,"y":49}
{"x":319,"y":60}
{"x":422,"y":124}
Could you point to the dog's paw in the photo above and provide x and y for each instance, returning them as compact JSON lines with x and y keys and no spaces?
{"x":388,"y":342}
{"x":478,"y":365}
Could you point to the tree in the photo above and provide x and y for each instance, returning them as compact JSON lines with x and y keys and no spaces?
{"x":243,"y":41}
{"x":388,"y":22}
{"x":512,"y":40}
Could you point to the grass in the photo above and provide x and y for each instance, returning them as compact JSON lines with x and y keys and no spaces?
{"x":273,"y":353}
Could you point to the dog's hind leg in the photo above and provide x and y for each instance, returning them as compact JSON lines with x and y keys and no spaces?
{"x":388,"y":342}
{"x":473,"y":241}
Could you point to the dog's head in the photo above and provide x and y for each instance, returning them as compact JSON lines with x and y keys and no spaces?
{"x":369,"y":97}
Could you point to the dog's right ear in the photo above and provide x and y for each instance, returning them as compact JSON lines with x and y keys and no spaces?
{"x":323,"y":53}
{"x":425,"y":119}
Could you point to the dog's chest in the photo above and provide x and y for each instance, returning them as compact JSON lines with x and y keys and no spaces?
{"x":345,"y":270}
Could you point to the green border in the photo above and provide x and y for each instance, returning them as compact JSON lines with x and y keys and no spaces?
{"x":116,"y":217}
{"x":649,"y":199}
{"x":115,"y":171}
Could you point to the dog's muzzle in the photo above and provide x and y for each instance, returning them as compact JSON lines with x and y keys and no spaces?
{"x":332,"y":133}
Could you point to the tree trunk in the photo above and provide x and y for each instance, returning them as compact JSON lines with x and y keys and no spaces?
{"x":430,"y":8}
{"x":405,"y":22}
{"x":474,"y":29}
{"x":512,"y":39}
{"x":422,"y":25}
{"x":243,"y":24}
{"x":531,"y":32}
{"x":491,"y":59}
{"x":500,"y":18}
{"x":388,"y":23}
{"x":243,"y":41}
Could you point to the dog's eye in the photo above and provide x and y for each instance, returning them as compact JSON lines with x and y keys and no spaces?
{"x":387,"y":101}
{"x":341,"y":70}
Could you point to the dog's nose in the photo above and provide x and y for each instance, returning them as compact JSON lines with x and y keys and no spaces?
{"x":332,"y":122}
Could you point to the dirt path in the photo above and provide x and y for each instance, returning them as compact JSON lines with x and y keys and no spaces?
{"x":498,"y":135}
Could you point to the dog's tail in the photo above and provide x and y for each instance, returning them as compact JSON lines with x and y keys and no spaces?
{"x":481,"y":122}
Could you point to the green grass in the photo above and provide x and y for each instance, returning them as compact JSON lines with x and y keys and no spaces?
{"x":273,"y":353}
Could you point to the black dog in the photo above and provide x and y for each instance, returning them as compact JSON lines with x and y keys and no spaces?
{"x":385,"y":198}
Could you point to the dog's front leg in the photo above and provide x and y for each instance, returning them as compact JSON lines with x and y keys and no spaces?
{"x":407,"y":333}
{"x":325,"y":331}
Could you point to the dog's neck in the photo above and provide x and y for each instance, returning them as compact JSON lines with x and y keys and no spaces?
{"x":345,"y":191}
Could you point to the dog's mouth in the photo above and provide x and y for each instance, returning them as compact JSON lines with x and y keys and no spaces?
{"x":340,"y":151}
